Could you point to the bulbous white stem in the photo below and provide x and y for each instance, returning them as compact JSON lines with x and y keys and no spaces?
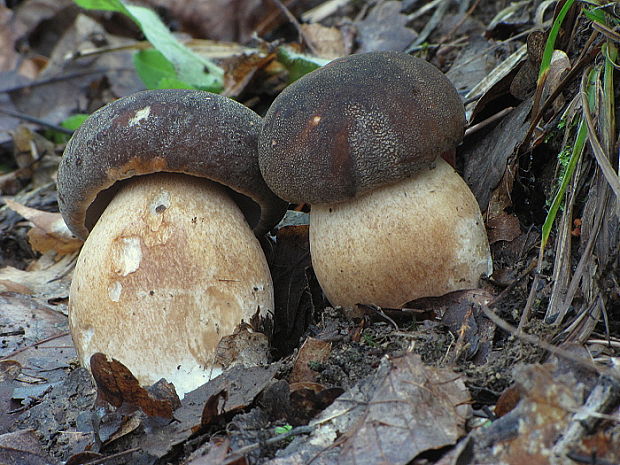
{"x":421,"y":237}
{"x":168,"y":270}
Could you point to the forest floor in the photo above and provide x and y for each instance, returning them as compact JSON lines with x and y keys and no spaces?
{"x":522,"y":370}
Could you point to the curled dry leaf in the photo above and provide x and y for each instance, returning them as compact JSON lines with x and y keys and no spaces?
{"x":117,"y":385}
{"x":49,"y":231}
{"x":46,"y":279}
{"x":213,"y":409}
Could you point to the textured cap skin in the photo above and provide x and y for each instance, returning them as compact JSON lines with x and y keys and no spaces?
{"x":180,"y":131}
{"x":358,"y":123}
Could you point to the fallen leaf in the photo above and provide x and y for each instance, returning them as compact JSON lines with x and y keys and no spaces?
{"x":312,"y":351}
{"x":23,"y":448}
{"x":327,"y":42}
{"x":46,"y":279}
{"x":488,"y":158}
{"x":9,"y":369}
{"x":503,"y":227}
{"x":215,"y":19}
{"x":213,"y":409}
{"x":384,"y":28}
{"x":50,"y":232}
{"x":239,"y":71}
{"x":243,"y":347}
{"x":27,"y":322}
{"x":508,"y":400}
{"x":400,"y":411}
{"x":460,"y":311}
{"x":524,"y":81}
{"x":242,"y":385}
{"x":117,"y":385}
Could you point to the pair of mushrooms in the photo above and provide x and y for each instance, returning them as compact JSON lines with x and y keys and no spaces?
{"x":171,"y":189}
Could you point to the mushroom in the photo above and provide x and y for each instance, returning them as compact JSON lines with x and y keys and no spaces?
{"x":362,"y":141}
{"x":165,"y":188}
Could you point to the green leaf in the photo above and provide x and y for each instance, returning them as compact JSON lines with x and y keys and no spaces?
{"x":74,"y":122}
{"x":598,"y":16}
{"x":152,"y":67}
{"x":173,"y":83}
{"x":190,"y":67}
{"x":298,"y":64}
{"x":71,"y":123}
{"x":283,"y":429}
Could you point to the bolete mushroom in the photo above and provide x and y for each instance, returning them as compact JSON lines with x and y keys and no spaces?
{"x":362,"y":141}
{"x":165,"y":188}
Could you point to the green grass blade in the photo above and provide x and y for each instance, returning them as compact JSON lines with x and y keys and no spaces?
{"x":578,"y":146}
{"x":551,"y":38}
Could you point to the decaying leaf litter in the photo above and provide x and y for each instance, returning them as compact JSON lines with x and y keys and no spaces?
{"x":522,"y":369}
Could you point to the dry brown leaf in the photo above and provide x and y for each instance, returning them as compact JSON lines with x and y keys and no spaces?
{"x":312,"y":350}
{"x":22,"y":447}
{"x":328,"y":42}
{"x":28,"y":321}
{"x":242,"y":385}
{"x":46,"y":277}
{"x":219,"y":20}
{"x":50,"y":233}
{"x":544,"y":412}
{"x":384,"y":28}
{"x":117,"y":385}
{"x":503,"y":227}
{"x":403,"y":409}
{"x":240,"y":69}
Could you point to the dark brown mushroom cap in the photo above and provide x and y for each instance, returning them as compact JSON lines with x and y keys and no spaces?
{"x":178,"y":131}
{"x":359,"y":122}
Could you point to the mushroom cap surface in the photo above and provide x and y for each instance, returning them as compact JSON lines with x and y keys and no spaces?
{"x":178,"y":131}
{"x":358,"y":123}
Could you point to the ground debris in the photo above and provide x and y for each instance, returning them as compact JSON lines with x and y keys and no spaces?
{"x":563,"y":411}
{"x":401,"y":410}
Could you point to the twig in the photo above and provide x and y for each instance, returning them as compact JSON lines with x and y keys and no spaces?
{"x":531,"y":339}
{"x":236,"y":454}
{"x":33,"y":119}
{"x":112,"y":457}
{"x":490,"y":120}
{"x":38,"y":343}
{"x":294,"y":22}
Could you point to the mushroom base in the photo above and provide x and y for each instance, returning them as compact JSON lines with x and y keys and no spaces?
{"x":169,"y":269}
{"x":421,"y":237}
